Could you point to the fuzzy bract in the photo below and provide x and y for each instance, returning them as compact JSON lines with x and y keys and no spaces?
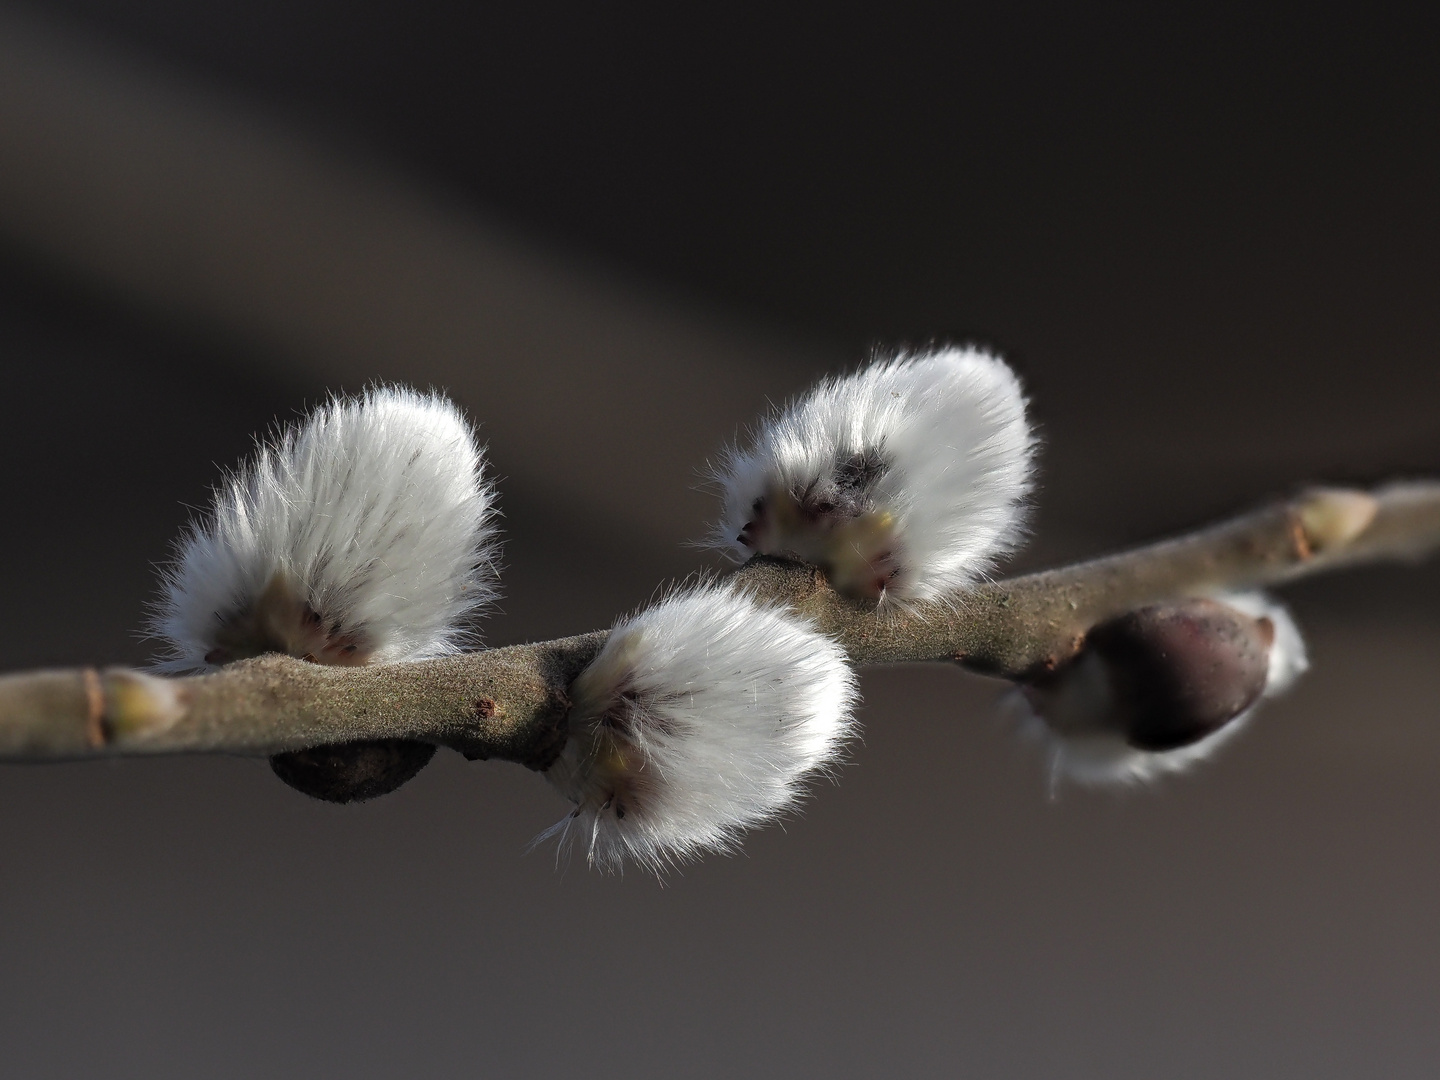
{"x":904,"y":481}
{"x":1102,"y":759}
{"x":701,"y":717}
{"x":363,"y":533}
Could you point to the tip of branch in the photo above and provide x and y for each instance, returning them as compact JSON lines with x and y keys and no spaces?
{"x":1333,"y":517}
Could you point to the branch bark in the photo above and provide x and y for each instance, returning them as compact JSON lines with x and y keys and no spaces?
{"x":511,"y":703}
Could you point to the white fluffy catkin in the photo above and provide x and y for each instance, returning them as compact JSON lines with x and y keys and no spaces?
{"x":904,"y":481}
{"x":1106,"y":760}
{"x":701,"y":717}
{"x":363,"y":533}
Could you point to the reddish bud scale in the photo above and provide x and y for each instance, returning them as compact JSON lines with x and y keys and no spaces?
{"x":353,"y":772}
{"x":1181,"y":671}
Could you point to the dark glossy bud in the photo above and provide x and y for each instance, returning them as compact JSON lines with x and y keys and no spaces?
{"x":1182,"y":670}
{"x":355,"y":771}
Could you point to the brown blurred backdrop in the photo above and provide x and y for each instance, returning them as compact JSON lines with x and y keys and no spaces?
{"x":1208,"y":239}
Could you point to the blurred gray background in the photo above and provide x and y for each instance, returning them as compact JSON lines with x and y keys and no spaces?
{"x":1207,"y":239}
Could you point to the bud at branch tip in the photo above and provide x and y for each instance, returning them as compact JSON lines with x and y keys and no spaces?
{"x":1332,"y":517}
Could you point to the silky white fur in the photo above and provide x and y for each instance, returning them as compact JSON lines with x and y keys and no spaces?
{"x":1103,"y":760}
{"x":371,"y":517}
{"x":949,"y":427}
{"x":701,"y":717}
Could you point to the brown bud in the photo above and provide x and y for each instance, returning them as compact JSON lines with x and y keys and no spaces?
{"x":1159,"y":678}
{"x":1181,"y":670}
{"x":355,"y":771}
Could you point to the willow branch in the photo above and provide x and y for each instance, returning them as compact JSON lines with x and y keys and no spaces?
{"x":511,"y":703}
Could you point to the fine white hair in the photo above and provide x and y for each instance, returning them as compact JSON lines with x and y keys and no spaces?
{"x":701,"y":717}
{"x":363,"y":533}
{"x":1105,"y":759}
{"x":905,"y":481}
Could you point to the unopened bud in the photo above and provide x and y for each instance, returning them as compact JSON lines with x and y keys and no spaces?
{"x":1332,"y":517}
{"x":355,"y":771}
{"x":1159,"y":688}
{"x":135,"y":705}
{"x":1183,"y":670}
